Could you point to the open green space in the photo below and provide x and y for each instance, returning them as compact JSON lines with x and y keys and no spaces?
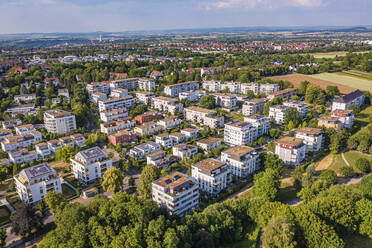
{"x":350,"y":81}
{"x":330,"y":55}
{"x":358,"y":74}
{"x":72,"y":180}
{"x":67,"y":191}
{"x":14,"y":200}
{"x":364,"y":114}
{"x":4,"y":215}
{"x":287,"y":193}
{"x":352,"y":157}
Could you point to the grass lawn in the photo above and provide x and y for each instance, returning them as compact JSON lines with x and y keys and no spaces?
{"x":67,"y":191}
{"x":352,"y":156}
{"x":337,"y":163}
{"x":60,"y":167}
{"x":358,"y":74}
{"x":330,"y":55}
{"x":14,"y":200}
{"x":72,"y":180}
{"x":358,"y":241}
{"x":350,"y":81}
{"x":235,"y":116}
{"x":4,"y":185}
{"x":4,"y":215}
{"x":287,"y":192}
{"x":364,"y":114}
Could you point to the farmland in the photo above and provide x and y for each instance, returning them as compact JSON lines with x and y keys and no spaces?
{"x":296,"y":80}
{"x":329,"y":55}
{"x":342,"y":79}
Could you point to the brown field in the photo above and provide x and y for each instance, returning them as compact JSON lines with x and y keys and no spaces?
{"x":296,"y":80}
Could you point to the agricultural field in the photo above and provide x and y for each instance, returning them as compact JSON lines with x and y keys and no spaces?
{"x":330,"y":55}
{"x":342,"y":79}
{"x":296,"y":80}
{"x":358,"y":74}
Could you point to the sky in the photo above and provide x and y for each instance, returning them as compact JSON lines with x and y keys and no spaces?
{"x":47,"y":16}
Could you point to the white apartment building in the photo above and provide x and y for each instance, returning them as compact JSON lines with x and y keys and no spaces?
{"x":119,"y":92}
{"x":277,"y":113}
{"x":113,"y":114}
{"x":15,"y":142}
{"x":212,"y":86}
{"x":5,"y":133}
{"x":291,"y":150}
{"x":59,"y":121}
{"x":164,"y":140}
{"x":182,"y":151}
{"x":98,"y":96}
{"x":22,"y":156}
{"x":24,"y":98}
{"x":144,"y":149}
{"x":209,"y":144}
{"x":203,"y":116}
{"x":356,"y":97}
{"x":231,"y":87}
{"x":116,"y":103}
{"x":175,"y":89}
{"x":239,"y":133}
{"x":346,"y":117}
{"x":226,"y":100}
{"x":241,"y":160}
{"x":192,"y":96}
{"x":118,"y":125}
{"x":11,"y":123}
{"x":42,"y":149}
{"x":144,"y":97}
{"x":312,"y":138}
{"x":254,"y":106}
{"x":302,"y":108}
{"x":190,"y":132}
{"x":257,"y":88}
{"x":23,"y":109}
{"x":261,"y":122}
{"x":102,"y":87}
{"x":33,"y":183}
{"x":90,"y":164}
{"x":128,"y":83}
{"x":146,"y":84}
{"x":177,"y":193}
{"x":166,"y":104}
{"x":211,"y":175}
{"x":178,"y":138}
{"x":170,"y":122}
{"x":286,"y":93}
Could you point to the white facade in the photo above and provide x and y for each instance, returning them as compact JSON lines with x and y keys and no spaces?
{"x":226,"y":100}
{"x":118,"y":93}
{"x":23,"y":156}
{"x":113,"y":114}
{"x":346,"y":117}
{"x":261,"y":122}
{"x":242,"y":160}
{"x":116,"y":103}
{"x":204,"y":117}
{"x":277,"y":113}
{"x":239,"y":133}
{"x":182,"y":151}
{"x":166,"y":104}
{"x":211,"y":175}
{"x":177,"y":193}
{"x":118,"y":125}
{"x":33,"y":183}
{"x":5,"y":133}
{"x":146,"y":84}
{"x":291,"y":150}
{"x":356,"y":97}
{"x":43,"y":150}
{"x":170,"y":122}
{"x":15,"y":142}
{"x":175,"y":89}
{"x":253,"y":106}
{"x":312,"y":138}
{"x":302,"y":108}
{"x":145,"y":97}
{"x":164,"y":140}
{"x":144,"y":149}
{"x":59,"y":121}
{"x":192,"y":95}
{"x":90,"y":164}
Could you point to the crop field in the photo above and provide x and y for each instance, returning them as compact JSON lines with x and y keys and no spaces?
{"x":358,"y":74}
{"x":330,"y":55}
{"x":342,"y":79}
{"x":296,"y":80}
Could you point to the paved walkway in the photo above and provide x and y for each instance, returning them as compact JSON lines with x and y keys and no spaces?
{"x":343,"y":158}
{"x":4,"y":202}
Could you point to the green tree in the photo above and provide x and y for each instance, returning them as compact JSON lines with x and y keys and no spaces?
{"x":329,"y":176}
{"x":365,"y":186}
{"x":275,"y":133}
{"x":346,"y":171}
{"x":362,"y":164}
{"x":314,"y":94}
{"x":303,"y":87}
{"x":208,"y":102}
{"x":170,"y":238}
{"x":2,"y":237}
{"x":279,"y":233}
{"x":364,"y":209}
{"x":149,"y":174}
{"x":25,"y":220}
{"x":53,"y":200}
{"x":113,"y":180}
{"x":332,"y":91}
{"x":271,"y":145}
{"x":266,"y":184}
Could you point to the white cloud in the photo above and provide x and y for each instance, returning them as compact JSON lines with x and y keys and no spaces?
{"x":263,"y":4}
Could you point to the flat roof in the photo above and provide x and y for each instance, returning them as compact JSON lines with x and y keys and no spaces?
{"x":203,"y":110}
{"x":289,"y":141}
{"x":173,"y":180}
{"x":239,"y":150}
{"x":308,"y":130}
{"x":209,"y":140}
{"x":209,"y":164}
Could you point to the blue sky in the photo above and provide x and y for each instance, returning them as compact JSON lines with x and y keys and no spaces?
{"x":25,"y":16}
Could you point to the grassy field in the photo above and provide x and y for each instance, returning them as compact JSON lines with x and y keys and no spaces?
{"x":352,"y":156}
{"x":364,"y":114}
{"x":330,"y":55}
{"x":330,"y":162}
{"x":358,"y":74}
{"x":14,"y":200}
{"x":67,"y":191}
{"x":296,"y":80}
{"x":250,"y":241}
{"x":60,"y":167}
{"x":287,"y":192}
{"x":4,"y":215}
{"x":342,"y":79}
